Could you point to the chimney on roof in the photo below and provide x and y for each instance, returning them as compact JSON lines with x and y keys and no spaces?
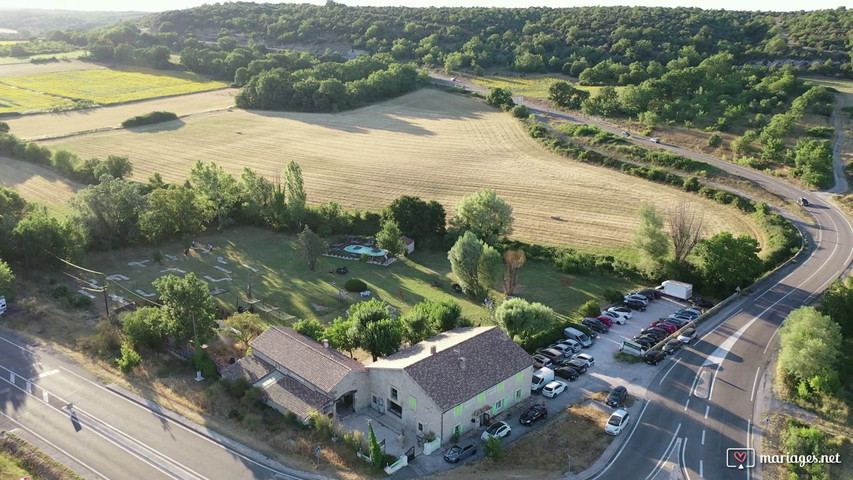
{"x":326,"y":343}
{"x":432,"y":350}
{"x":462,"y":363}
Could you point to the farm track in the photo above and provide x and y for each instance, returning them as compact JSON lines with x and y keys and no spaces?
{"x":430,"y":144}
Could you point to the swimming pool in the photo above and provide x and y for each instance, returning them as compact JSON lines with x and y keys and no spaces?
{"x":361,"y":249}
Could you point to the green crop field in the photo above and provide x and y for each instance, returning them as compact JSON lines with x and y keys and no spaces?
{"x":533,"y":86}
{"x":24,"y":101}
{"x":109,"y":86}
{"x":284,"y":281}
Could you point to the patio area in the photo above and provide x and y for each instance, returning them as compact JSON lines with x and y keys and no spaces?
{"x":394,"y":444}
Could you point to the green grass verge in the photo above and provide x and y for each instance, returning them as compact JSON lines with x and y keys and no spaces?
{"x":284,"y":281}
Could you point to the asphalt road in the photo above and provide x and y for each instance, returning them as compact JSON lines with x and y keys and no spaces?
{"x":703,"y":401}
{"x":105,"y":432}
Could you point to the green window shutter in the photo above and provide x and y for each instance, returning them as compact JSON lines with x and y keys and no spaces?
{"x":481,"y":398}
{"x":458,"y":410}
{"x":519,"y":377}
{"x":501,"y":387}
{"x":413,"y":404}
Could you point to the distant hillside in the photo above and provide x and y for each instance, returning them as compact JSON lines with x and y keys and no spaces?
{"x":31,"y":23}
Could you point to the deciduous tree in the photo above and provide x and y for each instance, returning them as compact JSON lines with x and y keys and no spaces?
{"x":294,"y":190}
{"x":145,"y":327}
{"x":40,"y":236}
{"x":7,"y":278}
{"x":311,"y":246}
{"x":464,"y":259}
{"x":339,"y":335}
{"x":217,"y":188}
{"x":111,"y":210}
{"x":513,"y":261}
{"x":311,"y":328}
{"x":727,"y":262}
{"x":686,"y":227}
{"x":810,"y":349}
{"x":374,"y":328}
{"x":649,"y":237}
{"x":489,"y":268}
{"x":837,"y":302}
{"x":171,"y":212}
{"x":500,"y":98}
{"x":390,"y":238}
{"x":520,"y":318}
{"x":248,"y":325}
{"x":484,"y":214}
{"x":187,"y":307}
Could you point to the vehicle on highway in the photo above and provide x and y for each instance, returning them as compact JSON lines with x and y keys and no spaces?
{"x":615,"y":317}
{"x":574,"y":345}
{"x":605,"y":320}
{"x":541,"y":361}
{"x":595,"y":325}
{"x":687,"y":335}
{"x":532,"y":414}
{"x":654,"y":140}
{"x":626,"y":134}
{"x":496,"y":430}
{"x":578,"y":365}
{"x":671,"y":347}
{"x":688,"y":312}
{"x":653,"y":357}
{"x":589,"y":359}
{"x":634,"y":305}
{"x":616,"y":397}
{"x":459,"y":452}
{"x":670,"y":328}
{"x":617,"y":422}
{"x":803,"y":201}
{"x":626,"y":312}
{"x":568,"y":373}
{"x":554,"y":388}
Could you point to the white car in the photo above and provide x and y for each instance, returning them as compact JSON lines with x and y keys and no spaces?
{"x":562,"y":347}
{"x":654,"y":140}
{"x":585,"y":357}
{"x":616,"y":317}
{"x":687,"y":335}
{"x":621,"y":311}
{"x":617,"y":422}
{"x":554,"y":388}
{"x":497,"y":430}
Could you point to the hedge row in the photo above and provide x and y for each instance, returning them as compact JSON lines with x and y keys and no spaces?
{"x":149,"y":118}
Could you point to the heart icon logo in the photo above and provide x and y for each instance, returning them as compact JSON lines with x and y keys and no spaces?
{"x":740,"y":456}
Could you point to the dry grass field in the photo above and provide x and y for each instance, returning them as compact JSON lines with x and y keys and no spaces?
{"x":23,"y":66}
{"x":35,"y":183}
{"x":534,"y":86}
{"x":431,"y":144}
{"x":48,"y":125}
{"x":109,"y":86}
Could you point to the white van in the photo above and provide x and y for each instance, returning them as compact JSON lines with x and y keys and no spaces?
{"x":541,"y":378}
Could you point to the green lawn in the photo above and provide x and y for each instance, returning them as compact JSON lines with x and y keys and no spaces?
{"x":284,"y":281}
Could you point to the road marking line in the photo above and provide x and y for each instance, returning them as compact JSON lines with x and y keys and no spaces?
{"x":47,"y":373}
{"x":700,"y":469}
{"x":713,"y":380}
{"x":754,"y":384}
{"x":669,"y":370}
{"x":693,"y":387}
{"x":665,"y":453}
{"x":686,"y":404}
{"x":703,"y":437}
{"x":684,"y":463}
{"x":723,"y":350}
{"x":622,"y":447}
{"x":707,"y":408}
{"x":81,"y":462}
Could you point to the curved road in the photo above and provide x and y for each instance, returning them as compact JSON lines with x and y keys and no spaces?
{"x":704,"y":401}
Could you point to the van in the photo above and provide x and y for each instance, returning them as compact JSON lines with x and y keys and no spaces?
{"x":578,"y":336}
{"x":541,"y":377}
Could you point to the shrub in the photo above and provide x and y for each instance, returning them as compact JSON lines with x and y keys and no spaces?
{"x":575,"y":262}
{"x":613,"y":296}
{"x":590,"y":308}
{"x":355,"y":285}
{"x":202,"y":362}
{"x":691,"y":184}
{"x":493,"y":448}
{"x":80,"y":301}
{"x":715,"y":140}
{"x":149,"y":118}
{"x":60,"y":291}
{"x":129,"y":358}
{"x":520,"y":111}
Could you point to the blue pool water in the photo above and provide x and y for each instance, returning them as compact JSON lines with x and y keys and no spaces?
{"x":360,"y":249}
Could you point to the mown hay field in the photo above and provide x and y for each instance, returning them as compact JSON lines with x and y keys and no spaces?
{"x":23,"y":101}
{"x":47,"y":125}
{"x":14,"y":66}
{"x":65,"y":56}
{"x":36,"y":184}
{"x":109,"y":86}
{"x":431,"y":144}
{"x":533,"y":86}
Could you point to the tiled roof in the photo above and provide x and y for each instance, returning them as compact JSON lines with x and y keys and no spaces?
{"x":467,"y":361}
{"x":251,"y":368}
{"x":295,"y":397}
{"x":322,"y":367}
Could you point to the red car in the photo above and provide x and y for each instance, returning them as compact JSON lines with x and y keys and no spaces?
{"x":668,"y":327}
{"x":605,"y":320}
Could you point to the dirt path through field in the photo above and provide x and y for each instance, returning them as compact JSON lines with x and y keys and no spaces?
{"x":51,"y":125}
